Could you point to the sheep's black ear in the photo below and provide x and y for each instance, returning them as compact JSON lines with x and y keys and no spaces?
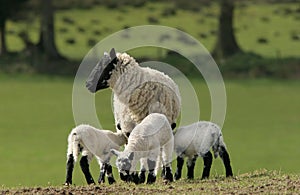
{"x":173,"y":126}
{"x":131,"y":155}
{"x":113,"y":56}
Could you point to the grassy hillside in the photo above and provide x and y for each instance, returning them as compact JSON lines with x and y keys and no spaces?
{"x":261,"y":128}
{"x":270,"y":30}
{"x":258,"y":182}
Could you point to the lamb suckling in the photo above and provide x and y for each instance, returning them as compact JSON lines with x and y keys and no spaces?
{"x":92,"y":142}
{"x":141,"y":90}
{"x":149,"y":139}
{"x":196,"y":140}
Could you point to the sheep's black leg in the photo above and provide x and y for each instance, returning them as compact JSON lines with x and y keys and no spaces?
{"x":142,"y":176}
{"x":103,"y":170}
{"x":135,"y":177}
{"x":190,"y":167}
{"x":109,"y":173}
{"x":70,"y":167}
{"x":173,"y":126}
{"x":163,"y":172}
{"x":125,"y":177}
{"x":226,"y":160}
{"x":84,"y":164}
{"x":151,"y":175}
{"x":180,"y":162}
{"x":168,"y":174}
{"x":207,"y":158}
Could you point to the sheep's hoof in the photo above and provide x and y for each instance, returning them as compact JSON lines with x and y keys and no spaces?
{"x":68,"y":184}
{"x":142,"y":177}
{"x":168,"y":174}
{"x":168,"y":179}
{"x":111,"y":180}
{"x":202,"y":178}
{"x":151,"y":179}
{"x":177,"y":176}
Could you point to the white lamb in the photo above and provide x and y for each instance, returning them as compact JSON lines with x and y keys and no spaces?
{"x":196,"y":140}
{"x":92,"y":142}
{"x":140,"y":90}
{"x":152,"y":137}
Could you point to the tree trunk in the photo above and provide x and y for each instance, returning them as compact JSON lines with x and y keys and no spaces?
{"x":47,"y":34}
{"x":226,"y":42}
{"x":3,"y":38}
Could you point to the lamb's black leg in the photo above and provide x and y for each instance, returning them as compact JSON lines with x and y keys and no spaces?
{"x":207,"y":159}
{"x":151,"y":175}
{"x":125,"y":177}
{"x":135,"y":177}
{"x":163,"y":172}
{"x":109,"y":173}
{"x":190,"y":167}
{"x":180,"y":162}
{"x":84,"y":164}
{"x":168,"y":174}
{"x":70,"y":167}
{"x":103,"y":170}
{"x":142,"y":176}
{"x":226,"y":160}
{"x":173,"y":126}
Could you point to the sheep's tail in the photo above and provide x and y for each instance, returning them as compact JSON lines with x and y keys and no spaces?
{"x":73,"y":145}
{"x":218,"y":145}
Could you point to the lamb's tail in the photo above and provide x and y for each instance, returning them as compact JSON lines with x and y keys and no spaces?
{"x":218,"y":145}
{"x":74,"y":145}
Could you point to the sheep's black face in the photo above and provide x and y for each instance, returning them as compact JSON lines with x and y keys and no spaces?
{"x":99,"y":76}
{"x":123,"y":164}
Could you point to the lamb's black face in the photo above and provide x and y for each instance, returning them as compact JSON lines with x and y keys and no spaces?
{"x":99,"y":76}
{"x":123,"y":164}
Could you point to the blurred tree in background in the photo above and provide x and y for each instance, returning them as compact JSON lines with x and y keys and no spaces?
{"x":9,"y":9}
{"x":226,"y":44}
{"x":46,"y":43}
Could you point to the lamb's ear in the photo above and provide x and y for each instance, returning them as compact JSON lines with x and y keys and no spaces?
{"x":115,"y":152}
{"x":131,"y":155}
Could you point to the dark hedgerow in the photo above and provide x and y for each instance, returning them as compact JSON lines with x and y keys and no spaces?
{"x":70,"y":41}
{"x":153,"y":20}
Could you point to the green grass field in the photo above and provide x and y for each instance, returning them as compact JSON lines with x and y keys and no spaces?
{"x":261,"y":127}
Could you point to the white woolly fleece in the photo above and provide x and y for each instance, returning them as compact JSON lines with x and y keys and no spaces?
{"x":153,"y":132}
{"x":94,"y":141}
{"x":197,"y":139}
{"x":142,"y":91}
{"x":152,"y":137}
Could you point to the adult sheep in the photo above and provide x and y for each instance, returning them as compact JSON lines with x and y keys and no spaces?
{"x":92,"y":142}
{"x":196,"y":140}
{"x":139,"y":90}
{"x":149,"y":139}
